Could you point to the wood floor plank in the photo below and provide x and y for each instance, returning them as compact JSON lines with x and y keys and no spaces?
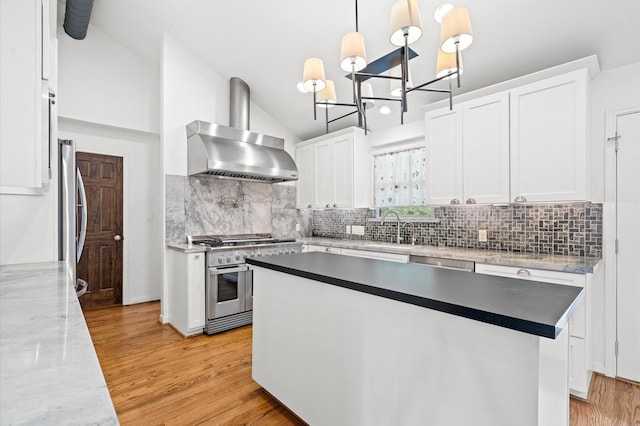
{"x":157,"y":377}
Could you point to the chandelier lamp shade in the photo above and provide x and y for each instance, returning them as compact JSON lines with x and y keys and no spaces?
{"x":405,"y":23}
{"x":405,"y":29}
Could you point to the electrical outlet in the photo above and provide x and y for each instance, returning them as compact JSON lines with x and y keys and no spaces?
{"x":347,"y":229}
{"x":357,"y":229}
{"x":297,"y":227}
{"x":482,"y":235}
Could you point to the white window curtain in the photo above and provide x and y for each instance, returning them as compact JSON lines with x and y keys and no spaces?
{"x":399,"y":178}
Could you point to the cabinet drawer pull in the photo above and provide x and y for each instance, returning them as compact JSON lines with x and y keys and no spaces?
{"x":328,"y":249}
{"x":454,"y":201}
{"x":335,"y":206}
{"x":520,"y":199}
{"x":523,"y":273}
{"x":470,"y":201}
{"x":327,"y":206}
{"x":309,"y":206}
{"x":197,"y":256}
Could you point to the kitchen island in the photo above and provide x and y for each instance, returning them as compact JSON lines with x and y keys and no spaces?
{"x":343,"y":340}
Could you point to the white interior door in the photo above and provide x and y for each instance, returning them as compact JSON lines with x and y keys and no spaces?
{"x":628,"y":236}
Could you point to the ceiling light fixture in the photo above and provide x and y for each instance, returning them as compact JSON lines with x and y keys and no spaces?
{"x":406,"y":28}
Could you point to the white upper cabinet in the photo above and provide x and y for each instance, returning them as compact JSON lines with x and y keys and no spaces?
{"x":27,"y":32}
{"x":334,"y":171}
{"x":548,"y":139}
{"x":443,"y":134}
{"x":485,"y":150}
{"x":304,"y":161}
{"x":468,"y":152}
{"x":524,"y":144}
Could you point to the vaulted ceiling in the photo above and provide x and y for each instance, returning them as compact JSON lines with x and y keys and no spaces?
{"x":266,"y":42}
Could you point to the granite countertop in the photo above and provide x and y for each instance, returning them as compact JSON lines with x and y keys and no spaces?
{"x":194,"y":248}
{"x":541,"y":309}
{"x":49,"y":371}
{"x":572,"y":264}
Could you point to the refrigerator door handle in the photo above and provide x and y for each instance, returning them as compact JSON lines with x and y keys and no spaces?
{"x":83,"y":223}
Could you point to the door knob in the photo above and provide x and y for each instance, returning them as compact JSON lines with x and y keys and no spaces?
{"x":118,"y":238}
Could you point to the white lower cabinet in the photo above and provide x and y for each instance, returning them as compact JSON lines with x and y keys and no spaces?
{"x":393,"y":257}
{"x":186,"y":281}
{"x":308,"y":248}
{"x":579,"y":368}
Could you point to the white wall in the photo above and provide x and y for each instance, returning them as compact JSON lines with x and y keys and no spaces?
{"x":29,"y":227}
{"x":102,"y":82}
{"x":109,"y":103}
{"x":193,"y":90}
{"x":612,"y":90}
{"x":142,"y":228}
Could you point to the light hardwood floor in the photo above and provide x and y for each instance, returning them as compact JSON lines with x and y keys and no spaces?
{"x":157,"y":377}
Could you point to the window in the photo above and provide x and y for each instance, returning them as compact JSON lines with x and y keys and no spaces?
{"x":399,"y":182}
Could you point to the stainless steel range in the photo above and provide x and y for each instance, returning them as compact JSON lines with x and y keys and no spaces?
{"x":229,"y":281}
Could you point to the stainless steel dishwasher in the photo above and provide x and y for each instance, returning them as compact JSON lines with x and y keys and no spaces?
{"x":441,"y":262}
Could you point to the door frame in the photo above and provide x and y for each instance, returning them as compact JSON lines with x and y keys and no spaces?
{"x":609,"y":239}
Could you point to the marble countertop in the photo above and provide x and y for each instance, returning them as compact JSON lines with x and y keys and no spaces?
{"x":541,"y":309}
{"x":571,"y":264}
{"x":49,"y":370}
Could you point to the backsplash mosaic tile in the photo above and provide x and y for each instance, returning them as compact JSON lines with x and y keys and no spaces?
{"x":195,"y":206}
{"x":573,"y":229}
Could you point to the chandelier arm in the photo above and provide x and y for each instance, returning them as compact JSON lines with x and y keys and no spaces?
{"x":342,"y":116}
{"x":435,"y":80}
{"x":405,"y":72}
{"x":326,"y":119}
{"x":370,"y":75}
{"x":458,"y":62}
{"x":378,"y":98}
{"x":451,"y":96}
{"x":314,"y":102}
{"x":431,"y":90}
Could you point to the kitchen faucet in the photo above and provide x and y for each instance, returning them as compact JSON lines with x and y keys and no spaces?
{"x":398,"y":223}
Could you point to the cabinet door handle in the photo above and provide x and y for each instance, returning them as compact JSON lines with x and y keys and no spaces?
{"x":523,"y":273}
{"x":197,"y":256}
{"x":454,"y":201}
{"x":520,"y":199}
{"x":470,"y":201}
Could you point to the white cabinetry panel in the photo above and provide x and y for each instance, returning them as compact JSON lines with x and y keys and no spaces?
{"x":334,"y":171}
{"x":25,"y":55}
{"x":304,"y":161}
{"x":548,"y":139}
{"x":580,"y":372}
{"x":186,"y":283}
{"x":485,"y":149}
{"x":468,"y":152}
{"x":443,"y":134}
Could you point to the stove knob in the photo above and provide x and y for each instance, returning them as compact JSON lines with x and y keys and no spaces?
{"x":228,"y":259}
{"x":220,"y":259}
{"x":237,"y":257}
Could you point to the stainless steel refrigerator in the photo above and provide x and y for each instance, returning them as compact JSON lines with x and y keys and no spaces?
{"x":72,"y":196}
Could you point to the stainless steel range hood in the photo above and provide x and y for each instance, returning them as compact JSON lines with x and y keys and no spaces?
{"x":236,"y":153}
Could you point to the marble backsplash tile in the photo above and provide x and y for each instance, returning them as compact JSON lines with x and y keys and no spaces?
{"x":202,"y":205}
{"x":562,"y":229}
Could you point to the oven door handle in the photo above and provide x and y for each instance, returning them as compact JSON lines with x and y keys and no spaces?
{"x":229,"y":270}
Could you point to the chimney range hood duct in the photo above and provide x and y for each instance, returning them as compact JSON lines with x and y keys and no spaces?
{"x":234,"y":152}
{"x":76,"y":18}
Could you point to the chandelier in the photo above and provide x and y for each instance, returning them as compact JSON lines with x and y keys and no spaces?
{"x":406,"y":28}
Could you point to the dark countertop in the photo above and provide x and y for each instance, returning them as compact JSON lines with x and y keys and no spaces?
{"x":536,"y":308}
